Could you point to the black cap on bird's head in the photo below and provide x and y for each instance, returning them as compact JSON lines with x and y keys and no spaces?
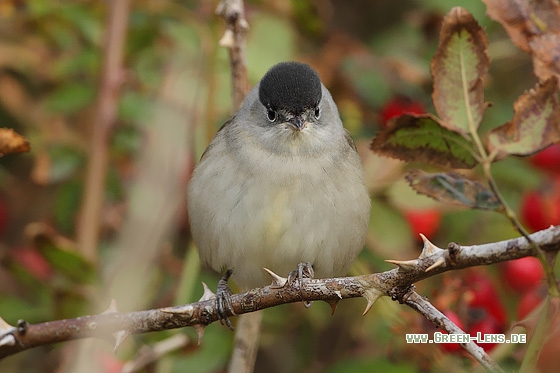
{"x":290,"y":86}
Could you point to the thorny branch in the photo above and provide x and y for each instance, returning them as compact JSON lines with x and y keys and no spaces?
{"x":432,"y":261}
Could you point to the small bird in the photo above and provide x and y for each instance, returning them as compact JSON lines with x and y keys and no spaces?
{"x":280,"y":184}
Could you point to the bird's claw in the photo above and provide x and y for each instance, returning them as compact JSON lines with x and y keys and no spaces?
{"x":223,"y":300}
{"x":304,"y":270}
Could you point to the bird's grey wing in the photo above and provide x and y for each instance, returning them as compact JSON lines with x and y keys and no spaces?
{"x":349,"y":139}
{"x":226,"y":123}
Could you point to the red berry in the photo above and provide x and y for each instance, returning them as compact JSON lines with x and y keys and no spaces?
{"x":109,"y":362}
{"x":484,"y":327}
{"x":523,"y":274}
{"x":532,"y":211}
{"x":399,"y":105}
{"x":484,"y":295}
{"x":529,"y":302}
{"x":3,"y":216}
{"x":541,"y":208}
{"x":425,"y":221}
{"x":548,"y":159}
{"x":33,"y":262}
{"x":454,"y":318}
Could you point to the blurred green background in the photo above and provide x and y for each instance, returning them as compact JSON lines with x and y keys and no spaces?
{"x":175,"y":94}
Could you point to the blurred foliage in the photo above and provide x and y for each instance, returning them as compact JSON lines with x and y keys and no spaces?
{"x":51,"y":55}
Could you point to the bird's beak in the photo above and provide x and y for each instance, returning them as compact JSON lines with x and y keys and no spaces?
{"x":297,"y":123}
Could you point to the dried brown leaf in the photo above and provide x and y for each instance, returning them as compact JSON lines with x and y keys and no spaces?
{"x":535,"y":124}
{"x":534,"y":27}
{"x":546,"y":49}
{"x":11,"y":142}
{"x":452,"y":188}
{"x":525,"y":19}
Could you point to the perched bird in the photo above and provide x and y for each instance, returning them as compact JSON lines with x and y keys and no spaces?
{"x":280,"y":184}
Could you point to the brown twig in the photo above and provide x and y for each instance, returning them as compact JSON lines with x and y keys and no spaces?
{"x":148,"y":355}
{"x":247,"y":335}
{"x":425,"y":308}
{"x":105,"y":118}
{"x":26,"y":336}
{"x":234,"y":40}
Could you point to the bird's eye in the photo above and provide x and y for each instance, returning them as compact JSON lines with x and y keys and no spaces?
{"x":317,"y":112}
{"x":271,"y":114}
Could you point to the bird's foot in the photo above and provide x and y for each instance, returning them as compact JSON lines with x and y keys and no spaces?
{"x":223,"y":300}
{"x":304,"y":270}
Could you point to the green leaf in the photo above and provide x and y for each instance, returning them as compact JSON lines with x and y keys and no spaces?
{"x":84,"y":62}
{"x":113,"y":187}
{"x":535,"y":124}
{"x":133,"y":106}
{"x":85,"y":21}
{"x":454,"y":189}
{"x":13,"y":308}
{"x":126,"y":140}
{"x":388,"y":230}
{"x":421,"y":138}
{"x":71,"y":98}
{"x":64,"y":161}
{"x":69,"y":264}
{"x":377,"y":364}
{"x":458,"y":68}
{"x":261,"y":52}
{"x":371,"y":82}
{"x":183,"y":34}
{"x":143,"y":32}
{"x":66,"y":205}
{"x":211,"y":356}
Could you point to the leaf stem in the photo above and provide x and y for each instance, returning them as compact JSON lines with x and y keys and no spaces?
{"x":472,"y":125}
{"x":538,"y":338}
{"x":486,"y":166}
{"x":536,"y":343}
{"x":510,"y":214}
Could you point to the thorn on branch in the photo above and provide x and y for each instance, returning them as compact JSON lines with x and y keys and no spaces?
{"x":333,"y":306}
{"x":112,"y":307}
{"x":429,"y":248}
{"x":5,"y":327}
{"x":278,"y":282}
{"x":120,"y":336}
{"x":371,"y":295}
{"x":440,"y":262}
{"x":208,"y":294}
{"x":7,"y":340}
{"x":199,"y":332}
{"x":228,"y":40}
{"x":404,"y":265}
